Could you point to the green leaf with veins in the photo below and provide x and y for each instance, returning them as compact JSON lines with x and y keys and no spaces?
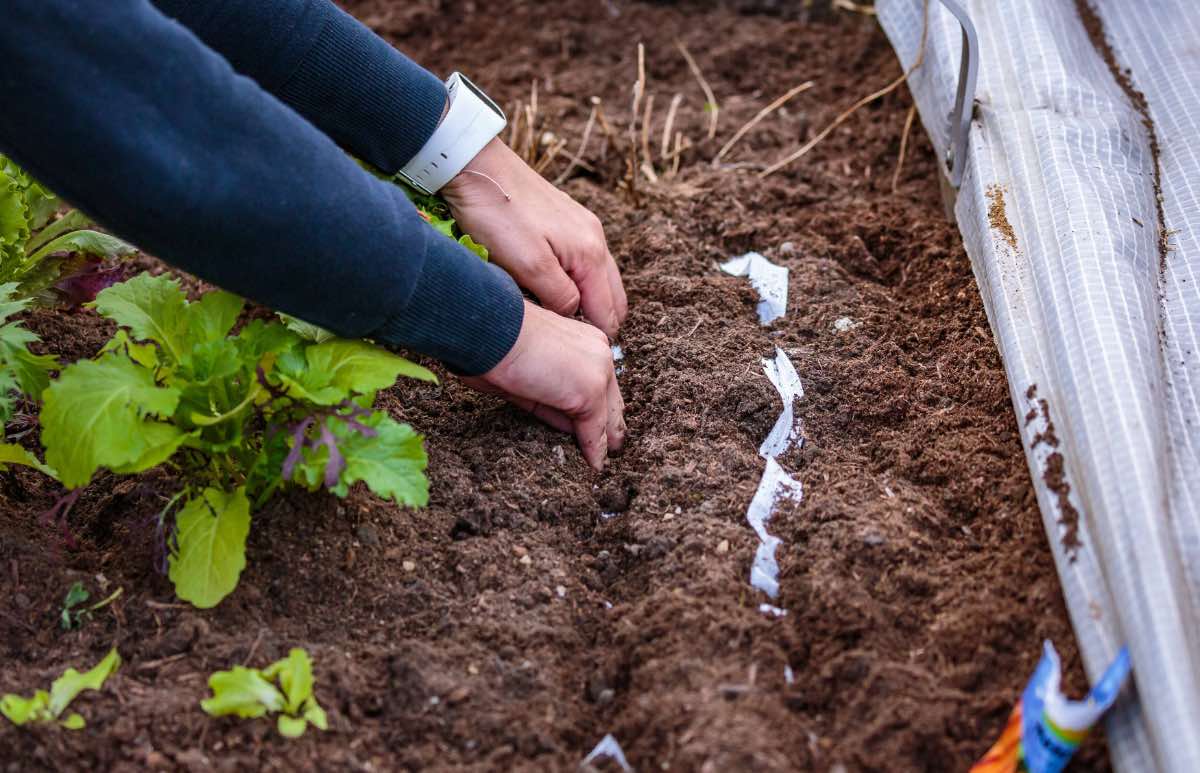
{"x":48,"y":706}
{"x":86,"y":242}
{"x":211,"y":534}
{"x":306,"y":330}
{"x":154,"y":308}
{"x":102,"y":413}
{"x":11,"y":453}
{"x":335,"y":370}
{"x":251,"y":693}
{"x":243,"y":692}
{"x":391,"y":463}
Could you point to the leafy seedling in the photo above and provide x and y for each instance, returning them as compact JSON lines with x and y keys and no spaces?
{"x":49,"y":706}
{"x":234,"y":417}
{"x":47,"y":258}
{"x":285,"y":687}
{"x":74,"y":614}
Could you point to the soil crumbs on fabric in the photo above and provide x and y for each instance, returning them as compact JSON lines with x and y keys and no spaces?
{"x":509,"y":626}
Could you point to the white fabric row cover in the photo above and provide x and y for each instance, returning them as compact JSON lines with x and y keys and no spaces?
{"x":1093,"y":293}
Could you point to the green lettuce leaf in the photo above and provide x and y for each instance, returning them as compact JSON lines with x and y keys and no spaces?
{"x":100,"y":413}
{"x":243,"y":692}
{"x":251,"y":693}
{"x":49,"y":706}
{"x":153,"y":308}
{"x":336,"y":370}
{"x":211,"y":533}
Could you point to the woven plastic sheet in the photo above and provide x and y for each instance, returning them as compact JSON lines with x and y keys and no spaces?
{"x":1093,"y":294}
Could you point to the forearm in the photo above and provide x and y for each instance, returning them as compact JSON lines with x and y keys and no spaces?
{"x":134,"y":120}
{"x":324,"y":64}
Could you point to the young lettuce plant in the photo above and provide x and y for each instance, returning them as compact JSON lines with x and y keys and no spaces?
{"x":21,"y":373}
{"x":250,"y":693}
{"x":236,"y":416}
{"x":47,"y":706}
{"x":40,"y":255}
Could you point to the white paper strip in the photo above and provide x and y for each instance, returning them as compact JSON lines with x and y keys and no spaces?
{"x":608,"y":747}
{"x":770,"y":280}
{"x":774,"y":486}
{"x":783,"y":375}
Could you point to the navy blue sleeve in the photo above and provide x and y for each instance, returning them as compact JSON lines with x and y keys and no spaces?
{"x":324,"y":64}
{"x":132,"y":118}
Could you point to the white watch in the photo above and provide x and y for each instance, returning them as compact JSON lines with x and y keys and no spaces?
{"x":472,"y":121}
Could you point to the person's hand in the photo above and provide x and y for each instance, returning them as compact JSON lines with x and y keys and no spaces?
{"x":552,"y":246}
{"x":561,"y":370}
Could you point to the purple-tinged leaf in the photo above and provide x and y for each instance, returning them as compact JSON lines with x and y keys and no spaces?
{"x":83,"y":285}
{"x":298,"y":444}
{"x":336,"y":463}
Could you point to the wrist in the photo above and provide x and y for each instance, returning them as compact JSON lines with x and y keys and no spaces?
{"x":470,"y":121}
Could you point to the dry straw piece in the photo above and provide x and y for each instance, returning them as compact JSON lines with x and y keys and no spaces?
{"x":778,"y":103}
{"x":773,"y":168}
{"x":708,"y":92}
{"x":908,"y":122}
{"x":583,"y":143}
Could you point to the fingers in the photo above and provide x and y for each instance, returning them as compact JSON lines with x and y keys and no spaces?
{"x":596,"y":297}
{"x":583,"y":252}
{"x":615,"y":428}
{"x":617,"y":287}
{"x":553,"y":288}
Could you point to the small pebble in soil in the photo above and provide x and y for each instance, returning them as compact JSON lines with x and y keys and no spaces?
{"x":408,"y":566}
{"x":560,"y":456}
{"x":526,"y":560}
{"x":845,"y":324}
{"x":367,"y":535}
{"x":874,"y":539}
{"x":560,"y":591}
{"x":723,"y":546}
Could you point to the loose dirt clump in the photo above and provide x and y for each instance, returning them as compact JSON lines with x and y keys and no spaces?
{"x":535,"y":606}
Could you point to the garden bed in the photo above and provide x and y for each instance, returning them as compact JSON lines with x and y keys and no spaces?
{"x":509,"y":625}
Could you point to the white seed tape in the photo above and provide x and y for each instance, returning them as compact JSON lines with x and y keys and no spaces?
{"x":783,"y":375}
{"x":775,"y":485}
{"x":770,"y":280}
{"x":608,"y":747}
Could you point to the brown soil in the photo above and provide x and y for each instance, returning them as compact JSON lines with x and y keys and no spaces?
{"x":915,"y":571}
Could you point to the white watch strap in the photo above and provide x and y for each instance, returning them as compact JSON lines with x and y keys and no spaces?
{"x":472,"y":121}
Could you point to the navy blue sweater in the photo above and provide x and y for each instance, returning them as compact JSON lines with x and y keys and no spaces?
{"x":212,"y":140}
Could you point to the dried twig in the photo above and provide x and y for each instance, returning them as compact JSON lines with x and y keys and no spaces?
{"x":711,"y":104}
{"x":682,"y":143}
{"x":778,"y":103}
{"x":639,"y":88}
{"x":908,"y":122}
{"x":679,"y":148}
{"x":514,"y":127}
{"x":583,"y":143}
{"x":647,"y":163}
{"x":854,"y":108}
{"x":530,"y":142}
{"x":670,"y":124}
{"x":609,"y":133}
{"x":850,"y":5}
{"x":551,"y":154}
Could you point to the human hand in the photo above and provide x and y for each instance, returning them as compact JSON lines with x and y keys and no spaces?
{"x":561,"y":370}
{"x":551,"y":245}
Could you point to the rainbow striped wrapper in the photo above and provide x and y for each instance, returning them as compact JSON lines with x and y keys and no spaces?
{"x":1045,"y":728}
